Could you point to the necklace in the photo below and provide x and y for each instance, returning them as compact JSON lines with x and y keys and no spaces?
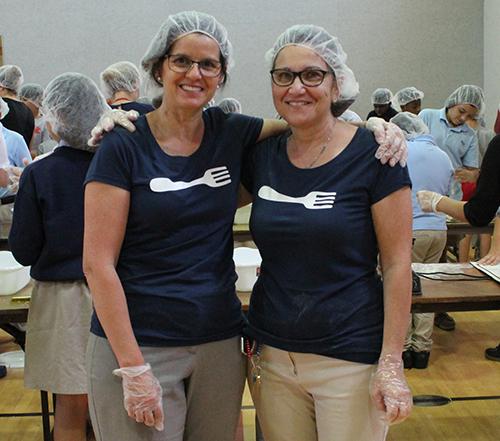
{"x":322,"y":148}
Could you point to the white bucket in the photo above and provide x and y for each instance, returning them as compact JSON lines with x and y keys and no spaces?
{"x":247,"y":262}
{"x":13,"y":276}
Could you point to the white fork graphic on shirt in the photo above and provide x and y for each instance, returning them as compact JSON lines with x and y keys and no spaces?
{"x":213,"y":177}
{"x":315,"y":200}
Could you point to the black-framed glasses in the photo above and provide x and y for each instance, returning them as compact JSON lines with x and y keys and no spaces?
{"x":310,"y":77}
{"x":181,"y":64}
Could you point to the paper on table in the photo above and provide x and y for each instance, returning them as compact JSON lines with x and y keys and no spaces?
{"x":491,"y":270}
{"x":430,"y":269}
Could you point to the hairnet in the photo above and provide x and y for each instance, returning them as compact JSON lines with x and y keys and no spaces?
{"x":123,"y":75}
{"x":407,"y":95}
{"x":72,"y":105}
{"x":411,"y":124}
{"x":11,"y":77}
{"x":382,"y":96}
{"x":4,"y":108}
{"x":33,"y":93}
{"x":175,"y":27}
{"x":230,"y":105}
{"x":329,"y":49}
{"x":467,"y":94}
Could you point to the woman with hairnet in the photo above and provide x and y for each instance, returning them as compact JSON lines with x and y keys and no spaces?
{"x":20,"y":118}
{"x":31,"y":94}
{"x":231,"y":105}
{"x":47,"y":234}
{"x":430,"y":169}
{"x":449,"y":128}
{"x":160,"y":204}
{"x":121,"y":85}
{"x":382,"y":108}
{"x":327,"y":331}
{"x":409,"y":99}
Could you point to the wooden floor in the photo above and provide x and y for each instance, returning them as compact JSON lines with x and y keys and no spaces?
{"x":457,"y":369}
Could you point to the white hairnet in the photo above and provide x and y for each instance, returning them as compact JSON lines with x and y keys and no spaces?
{"x":230,"y":105}
{"x":33,"y":93}
{"x":411,"y":124}
{"x":123,"y":75}
{"x":4,"y":108}
{"x":407,"y":95}
{"x":467,"y":94}
{"x":72,"y":105}
{"x":175,"y":27}
{"x":11,"y":77}
{"x":329,"y":49}
{"x":382,"y":96}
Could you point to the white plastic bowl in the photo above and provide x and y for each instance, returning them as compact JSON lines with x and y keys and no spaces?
{"x":247,"y":262}
{"x":13,"y":276}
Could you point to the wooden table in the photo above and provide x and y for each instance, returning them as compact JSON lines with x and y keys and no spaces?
{"x":445,"y":296}
{"x":456,"y":228}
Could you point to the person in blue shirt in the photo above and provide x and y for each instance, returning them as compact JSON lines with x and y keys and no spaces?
{"x":430,"y":169}
{"x":449,"y":128}
{"x":409,"y":99}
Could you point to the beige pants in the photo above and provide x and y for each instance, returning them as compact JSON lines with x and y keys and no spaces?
{"x":5,"y":220}
{"x":308,"y":397}
{"x":427,"y":248}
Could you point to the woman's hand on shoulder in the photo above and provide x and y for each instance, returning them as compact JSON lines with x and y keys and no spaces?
{"x":108,"y":123}
{"x":392,"y":142}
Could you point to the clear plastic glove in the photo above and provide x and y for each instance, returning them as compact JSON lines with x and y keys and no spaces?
{"x":389,"y":390}
{"x":142,"y":395}
{"x":428,"y":201}
{"x":108,"y":123}
{"x":392,"y":142}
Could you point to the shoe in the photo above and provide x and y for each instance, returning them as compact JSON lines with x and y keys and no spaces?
{"x":408,"y":359}
{"x":3,"y":371}
{"x":444,"y":321}
{"x":421,"y":359}
{"x":493,"y":353}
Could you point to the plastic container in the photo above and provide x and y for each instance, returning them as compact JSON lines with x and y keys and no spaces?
{"x":13,"y":276}
{"x":247,"y":262}
{"x":14,"y":359}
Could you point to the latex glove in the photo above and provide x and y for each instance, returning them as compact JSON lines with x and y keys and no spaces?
{"x":389,"y":390}
{"x":428,"y":201}
{"x":142,"y":395}
{"x":392,"y":142}
{"x":108,"y":123}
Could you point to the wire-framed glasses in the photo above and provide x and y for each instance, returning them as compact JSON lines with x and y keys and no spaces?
{"x":181,"y":63}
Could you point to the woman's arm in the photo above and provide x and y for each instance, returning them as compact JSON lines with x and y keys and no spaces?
{"x":392,"y":219}
{"x":493,"y":256}
{"x":272,"y":127}
{"x":106,"y":214}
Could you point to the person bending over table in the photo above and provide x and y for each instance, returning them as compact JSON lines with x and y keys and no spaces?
{"x":479,"y":210}
{"x":327,"y":332}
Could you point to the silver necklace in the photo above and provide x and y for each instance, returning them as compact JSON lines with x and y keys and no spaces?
{"x":322,"y":148}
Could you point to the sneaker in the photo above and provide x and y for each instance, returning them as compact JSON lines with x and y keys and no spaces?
{"x":408,"y":359}
{"x":3,"y":371}
{"x":444,"y":321}
{"x":493,"y":353}
{"x":421,"y":359}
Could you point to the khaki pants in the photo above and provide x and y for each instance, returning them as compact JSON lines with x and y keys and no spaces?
{"x":308,"y":397}
{"x":427,"y":248}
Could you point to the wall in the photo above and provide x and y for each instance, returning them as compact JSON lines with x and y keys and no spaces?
{"x":491,"y":59}
{"x":433,"y":45}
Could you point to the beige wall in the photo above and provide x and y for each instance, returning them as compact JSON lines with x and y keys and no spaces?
{"x":491,"y":59}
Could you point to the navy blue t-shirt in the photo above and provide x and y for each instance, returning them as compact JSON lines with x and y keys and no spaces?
{"x":176,"y":263}
{"x":142,"y":108}
{"x":47,"y":226}
{"x":318,"y":290}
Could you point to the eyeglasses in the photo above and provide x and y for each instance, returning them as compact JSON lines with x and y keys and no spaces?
{"x":182,"y":64}
{"x":308,"y":77}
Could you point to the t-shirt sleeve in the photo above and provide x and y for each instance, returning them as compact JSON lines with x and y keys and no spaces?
{"x":248,"y":128}
{"x":112,"y":162}
{"x":247,"y":169}
{"x":388,"y":180}
{"x":482,"y":206}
